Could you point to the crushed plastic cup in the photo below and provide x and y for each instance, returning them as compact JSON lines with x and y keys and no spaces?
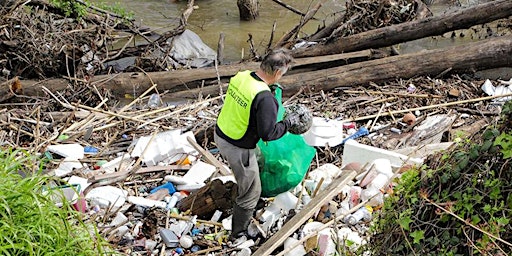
{"x":154,"y":100}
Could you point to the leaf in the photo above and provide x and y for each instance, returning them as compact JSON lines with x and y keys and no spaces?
{"x":418,"y":235}
{"x":503,"y":221}
{"x":404,"y":222}
{"x":475,"y":219}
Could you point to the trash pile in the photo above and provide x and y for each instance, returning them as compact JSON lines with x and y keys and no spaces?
{"x":157,"y":190}
{"x":154,"y":190}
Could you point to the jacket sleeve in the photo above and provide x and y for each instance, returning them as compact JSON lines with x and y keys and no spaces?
{"x":265,"y":108}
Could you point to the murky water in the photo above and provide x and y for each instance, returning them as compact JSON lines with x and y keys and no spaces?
{"x":215,"y":16}
{"x":211,"y":17}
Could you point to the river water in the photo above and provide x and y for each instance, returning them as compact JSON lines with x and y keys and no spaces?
{"x":212,"y":17}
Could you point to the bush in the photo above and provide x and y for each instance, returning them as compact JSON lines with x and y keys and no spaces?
{"x":30,"y":222}
{"x":459,"y":203}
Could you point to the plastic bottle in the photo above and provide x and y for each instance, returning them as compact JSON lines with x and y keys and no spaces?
{"x":154,"y":100}
{"x":174,"y":199}
{"x":361,"y":214}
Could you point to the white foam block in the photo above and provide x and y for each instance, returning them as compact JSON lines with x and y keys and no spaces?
{"x":199,"y":172}
{"x":365,"y":154}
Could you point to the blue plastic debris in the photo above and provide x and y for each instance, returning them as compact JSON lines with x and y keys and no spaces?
{"x":169,"y":186}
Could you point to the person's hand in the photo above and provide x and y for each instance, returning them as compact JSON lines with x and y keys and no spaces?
{"x":298,"y":119}
{"x":292,"y":119}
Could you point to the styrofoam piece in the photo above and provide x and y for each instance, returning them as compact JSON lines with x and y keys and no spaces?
{"x":67,"y":166}
{"x":383,"y":166}
{"x":365,"y":155}
{"x":146,"y":202}
{"x":312,"y":227}
{"x":285,"y":201}
{"x":117,"y":164}
{"x":377,"y":198}
{"x":346,"y":233}
{"x":74,"y":180}
{"x":379,"y":181}
{"x":177,"y":180}
{"x":106,"y":196}
{"x":424,"y":150}
{"x":121,"y":231}
{"x":324,"y":132}
{"x":164,"y":145}
{"x":226,"y":223}
{"x":430,"y":130}
{"x":244,"y":252}
{"x":190,"y":187}
{"x":270,"y":215}
{"x":73,"y":151}
{"x":327,"y":172}
{"x":326,"y":246}
{"x":186,"y":241}
{"x":185,"y":145}
{"x":199,"y":172}
{"x":246,"y":244}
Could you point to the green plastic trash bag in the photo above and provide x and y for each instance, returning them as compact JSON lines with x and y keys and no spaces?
{"x":284,"y":162}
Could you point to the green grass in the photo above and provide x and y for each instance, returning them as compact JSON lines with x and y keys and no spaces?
{"x":30,"y":222}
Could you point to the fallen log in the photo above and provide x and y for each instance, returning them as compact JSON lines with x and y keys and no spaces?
{"x":10,"y":88}
{"x":408,"y":31}
{"x":471,"y":57}
{"x":138,"y":82}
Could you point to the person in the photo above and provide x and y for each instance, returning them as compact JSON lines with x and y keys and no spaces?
{"x":249,"y":114}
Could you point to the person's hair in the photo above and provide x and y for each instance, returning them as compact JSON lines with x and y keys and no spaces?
{"x":278,"y":59}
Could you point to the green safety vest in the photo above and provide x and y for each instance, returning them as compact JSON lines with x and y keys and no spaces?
{"x":234,"y":116}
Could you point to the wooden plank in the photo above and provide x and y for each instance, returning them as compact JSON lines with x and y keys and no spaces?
{"x":140,"y":171}
{"x":293,"y":224}
{"x":211,"y":159}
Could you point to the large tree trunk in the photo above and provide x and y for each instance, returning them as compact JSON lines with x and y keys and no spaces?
{"x":137,"y":82}
{"x":248,"y":9}
{"x":408,"y":31}
{"x":490,"y":53}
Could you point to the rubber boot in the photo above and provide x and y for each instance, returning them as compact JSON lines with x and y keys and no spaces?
{"x":240,"y":221}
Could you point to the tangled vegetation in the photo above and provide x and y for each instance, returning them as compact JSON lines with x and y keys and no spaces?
{"x":459,"y":203}
{"x":31,"y":223}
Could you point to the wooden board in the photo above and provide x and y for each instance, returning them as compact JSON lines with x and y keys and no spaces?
{"x":294,"y":223}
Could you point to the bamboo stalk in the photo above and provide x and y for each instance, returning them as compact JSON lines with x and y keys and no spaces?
{"x":395,"y":94}
{"x":429,"y":107}
{"x":178,"y":111}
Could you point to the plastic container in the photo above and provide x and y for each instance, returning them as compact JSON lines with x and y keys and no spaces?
{"x":324,"y":132}
{"x":169,"y":238}
{"x":361,"y":214}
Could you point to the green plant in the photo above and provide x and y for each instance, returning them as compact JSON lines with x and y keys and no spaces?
{"x":116,"y":8}
{"x":71,"y":8}
{"x":458,"y":203}
{"x":30,"y":222}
